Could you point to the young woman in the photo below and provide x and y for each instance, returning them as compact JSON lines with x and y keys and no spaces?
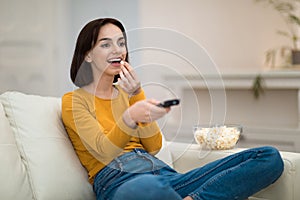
{"x":112,"y":127}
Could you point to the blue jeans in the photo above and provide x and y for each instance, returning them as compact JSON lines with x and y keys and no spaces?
{"x":138,"y":175}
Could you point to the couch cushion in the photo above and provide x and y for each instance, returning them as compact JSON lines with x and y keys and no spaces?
{"x":13,"y":176}
{"x":54,"y":170}
{"x":164,"y":154}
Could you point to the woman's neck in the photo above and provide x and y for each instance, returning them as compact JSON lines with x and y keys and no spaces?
{"x":102,"y":88}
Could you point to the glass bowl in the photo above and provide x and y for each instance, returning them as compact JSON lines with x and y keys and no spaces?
{"x":217,"y":137}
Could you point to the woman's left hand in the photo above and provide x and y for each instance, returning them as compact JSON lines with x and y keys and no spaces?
{"x":128,"y":80}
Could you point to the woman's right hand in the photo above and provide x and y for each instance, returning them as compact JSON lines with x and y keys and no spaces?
{"x":144,"y":111}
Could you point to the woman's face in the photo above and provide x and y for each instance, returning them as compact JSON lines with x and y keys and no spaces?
{"x":109,"y":50}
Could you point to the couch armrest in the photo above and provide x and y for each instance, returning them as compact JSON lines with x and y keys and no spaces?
{"x":188,"y":156}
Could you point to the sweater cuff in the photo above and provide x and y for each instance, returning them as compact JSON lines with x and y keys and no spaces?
{"x":148,"y":130}
{"x":126,"y":129}
{"x":140,"y":96}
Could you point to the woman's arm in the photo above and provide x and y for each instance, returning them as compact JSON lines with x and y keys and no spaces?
{"x":137,"y":97}
{"x":145,"y":113}
{"x":152,"y":144}
{"x":149,"y":132}
{"x":79,"y":120}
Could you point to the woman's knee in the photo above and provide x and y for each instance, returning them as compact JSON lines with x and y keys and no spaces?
{"x":274,"y":160}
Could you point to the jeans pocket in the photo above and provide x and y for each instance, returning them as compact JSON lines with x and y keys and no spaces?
{"x":111,"y":183}
{"x":105,"y":181}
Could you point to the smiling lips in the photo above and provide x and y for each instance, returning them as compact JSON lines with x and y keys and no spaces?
{"x":115,"y":60}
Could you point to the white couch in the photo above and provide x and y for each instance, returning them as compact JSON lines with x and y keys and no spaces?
{"x":37,"y":160}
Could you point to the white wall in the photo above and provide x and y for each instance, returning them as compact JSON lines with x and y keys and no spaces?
{"x":235,"y":33}
{"x":203,"y":37}
{"x":32,"y":46}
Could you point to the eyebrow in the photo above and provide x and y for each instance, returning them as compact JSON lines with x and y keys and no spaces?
{"x":121,"y":38}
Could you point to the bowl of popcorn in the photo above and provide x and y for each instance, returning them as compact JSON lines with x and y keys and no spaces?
{"x":217,"y":137}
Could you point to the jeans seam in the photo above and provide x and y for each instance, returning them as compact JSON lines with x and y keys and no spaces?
{"x":145,"y":157}
{"x":211,"y":181}
{"x":197,"y":178}
{"x":195,"y":196}
{"x":117,"y":165}
{"x":193,"y":180}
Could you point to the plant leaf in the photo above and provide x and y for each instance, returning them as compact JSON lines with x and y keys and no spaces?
{"x":257,"y":86}
{"x":284,"y":33}
{"x":284,"y":7}
{"x":294,"y":19}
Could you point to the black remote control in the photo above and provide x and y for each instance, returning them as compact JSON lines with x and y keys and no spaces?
{"x":169,"y":103}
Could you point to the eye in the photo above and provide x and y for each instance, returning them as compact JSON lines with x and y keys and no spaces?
{"x":122,"y":43}
{"x":105,"y":45}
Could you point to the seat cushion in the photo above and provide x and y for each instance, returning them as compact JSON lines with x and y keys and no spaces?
{"x":53,"y":169}
{"x":164,"y":154}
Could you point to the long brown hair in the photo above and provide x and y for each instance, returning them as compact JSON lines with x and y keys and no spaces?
{"x":81,"y":71}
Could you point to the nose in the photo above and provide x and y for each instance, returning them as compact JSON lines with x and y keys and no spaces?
{"x":116,"y":49}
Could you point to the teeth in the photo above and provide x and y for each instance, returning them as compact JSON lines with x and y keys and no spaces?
{"x":115,"y":60}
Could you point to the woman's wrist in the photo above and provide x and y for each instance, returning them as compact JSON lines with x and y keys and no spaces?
{"x":128,"y":120}
{"x":137,"y":91}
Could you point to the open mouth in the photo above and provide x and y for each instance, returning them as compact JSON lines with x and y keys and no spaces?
{"x":114,"y":60}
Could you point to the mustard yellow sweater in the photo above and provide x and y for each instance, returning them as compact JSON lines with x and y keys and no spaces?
{"x":97,"y":131}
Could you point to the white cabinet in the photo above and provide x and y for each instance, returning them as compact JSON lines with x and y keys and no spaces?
{"x":273,"y":119}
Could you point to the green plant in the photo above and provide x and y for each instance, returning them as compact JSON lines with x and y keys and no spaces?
{"x":289,"y":11}
{"x":257,"y":86}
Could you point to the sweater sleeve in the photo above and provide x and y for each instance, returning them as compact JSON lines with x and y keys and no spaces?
{"x":138,"y":97}
{"x":152,"y":143}
{"x":79,"y":120}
